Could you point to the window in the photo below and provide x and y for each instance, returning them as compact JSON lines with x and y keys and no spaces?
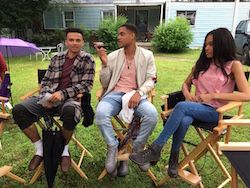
{"x":107,"y":13}
{"x":189,"y":15}
{"x":68,"y":19}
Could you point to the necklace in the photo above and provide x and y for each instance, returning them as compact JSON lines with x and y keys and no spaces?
{"x":129,"y":63}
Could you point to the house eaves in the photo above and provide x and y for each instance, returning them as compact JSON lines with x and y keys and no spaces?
{"x":81,"y":2}
{"x":138,"y":2}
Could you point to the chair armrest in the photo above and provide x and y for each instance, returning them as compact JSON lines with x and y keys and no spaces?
{"x":151,"y":95}
{"x":3,"y":98}
{"x":32,"y":92}
{"x":99,"y":93}
{"x":237,"y":122}
{"x":222,"y":125}
{"x":79,"y":96}
{"x":152,"y":92}
{"x":229,"y":106}
{"x":3,"y":114}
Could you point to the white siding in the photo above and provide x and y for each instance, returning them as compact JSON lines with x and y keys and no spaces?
{"x":209,"y":16}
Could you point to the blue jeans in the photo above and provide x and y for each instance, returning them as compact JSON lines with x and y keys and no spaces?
{"x":182,"y":116}
{"x":111,"y":105}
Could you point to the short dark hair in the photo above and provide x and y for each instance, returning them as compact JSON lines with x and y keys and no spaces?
{"x":131,"y":27}
{"x":73,"y":30}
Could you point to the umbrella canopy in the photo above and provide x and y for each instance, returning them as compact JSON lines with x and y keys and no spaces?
{"x":12,"y":47}
{"x":53,"y":145}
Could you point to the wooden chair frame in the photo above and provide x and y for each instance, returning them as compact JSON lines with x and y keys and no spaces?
{"x":205,"y":146}
{"x":233,"y":146}
{"x":5,"y":170}
{"x":76,"y":166}
{"x":121,"y":129}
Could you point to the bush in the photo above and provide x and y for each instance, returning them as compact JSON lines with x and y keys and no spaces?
{"x":86,"y":33}
{"x":52,"y":39}
{"x":173,"y":36}
{"x":108,"y":32}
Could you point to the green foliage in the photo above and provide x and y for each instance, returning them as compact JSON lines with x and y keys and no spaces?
{"x":51,"y":39}
{"x":86,"y":33}
{"x":173,"y":36}
{"x":108,"y":31}
{"x":16,"y":14}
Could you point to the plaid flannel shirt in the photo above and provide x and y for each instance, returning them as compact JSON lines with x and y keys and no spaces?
{"x":81,"y":80}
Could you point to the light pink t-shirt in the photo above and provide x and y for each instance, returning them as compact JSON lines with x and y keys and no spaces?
{"x":214,"y":81}
{"x":127,"y":81}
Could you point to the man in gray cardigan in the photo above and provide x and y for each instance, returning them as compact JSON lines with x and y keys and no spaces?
{"x":128,"y":69}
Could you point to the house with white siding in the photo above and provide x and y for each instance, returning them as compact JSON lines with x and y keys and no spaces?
{"x":204,"y":15}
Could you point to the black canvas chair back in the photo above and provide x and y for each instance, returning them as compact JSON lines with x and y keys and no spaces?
{"x":41,"y":73}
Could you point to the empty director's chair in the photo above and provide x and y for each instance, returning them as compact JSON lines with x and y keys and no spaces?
{"x":55,"y":119}
{"x":238,"y":153}
{"x":207,"y":143}
{"x":4,"y":117}
{"x":122,"y":129}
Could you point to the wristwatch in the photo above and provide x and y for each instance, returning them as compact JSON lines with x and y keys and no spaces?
{"x":140,"y":92}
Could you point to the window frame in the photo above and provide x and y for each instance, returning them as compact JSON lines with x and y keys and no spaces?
{"x":107,"y":11}
{"x":185,"y":16}
{"x":64,"y":20}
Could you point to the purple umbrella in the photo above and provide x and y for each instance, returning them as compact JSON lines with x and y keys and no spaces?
{"x":12,"y":47}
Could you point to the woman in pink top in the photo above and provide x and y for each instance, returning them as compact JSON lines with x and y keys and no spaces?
{"x":214,"y":76}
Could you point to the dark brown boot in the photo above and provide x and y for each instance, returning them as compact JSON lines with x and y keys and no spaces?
{"x":173,"y":164}
{"x":150,"y":155}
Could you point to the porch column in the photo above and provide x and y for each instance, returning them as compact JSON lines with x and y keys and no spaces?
{"x":115,"y":13}
{"x":236,"y":3}
{"x":161,"y":13}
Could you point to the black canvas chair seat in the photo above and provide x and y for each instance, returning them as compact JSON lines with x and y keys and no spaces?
{"x":241,"y":163}
{"x":208,"y":126}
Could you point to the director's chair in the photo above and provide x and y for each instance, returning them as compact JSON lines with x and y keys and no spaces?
{"x":76,"y":166}
{"x":207,"y":142}
{"x":5,"y":117}
{"x":121,"y":130}
{"x":238,"y":153}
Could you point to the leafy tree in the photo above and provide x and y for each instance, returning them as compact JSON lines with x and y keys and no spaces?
{"x":108,"y":31}
{"x":173,"y":36}
{"x":15,"y":14}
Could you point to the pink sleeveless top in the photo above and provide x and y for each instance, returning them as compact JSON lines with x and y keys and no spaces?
{"x":214,"y":81}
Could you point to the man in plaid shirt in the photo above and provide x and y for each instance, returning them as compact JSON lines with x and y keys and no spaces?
{"x":69,"y":73}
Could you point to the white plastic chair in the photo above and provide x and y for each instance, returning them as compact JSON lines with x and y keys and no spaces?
{"x":59,"y":48}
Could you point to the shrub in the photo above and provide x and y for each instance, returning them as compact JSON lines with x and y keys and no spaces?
{"x":52,"y":39}
{"x":108,"y":31}
{"x":86,"y":33}
{"x":41,"y":39}
{"x":173,"y":36}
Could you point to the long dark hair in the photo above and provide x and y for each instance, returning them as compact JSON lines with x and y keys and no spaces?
{"x":224,"y":50}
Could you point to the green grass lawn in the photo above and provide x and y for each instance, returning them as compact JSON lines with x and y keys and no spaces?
{"x":17,"y":149}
